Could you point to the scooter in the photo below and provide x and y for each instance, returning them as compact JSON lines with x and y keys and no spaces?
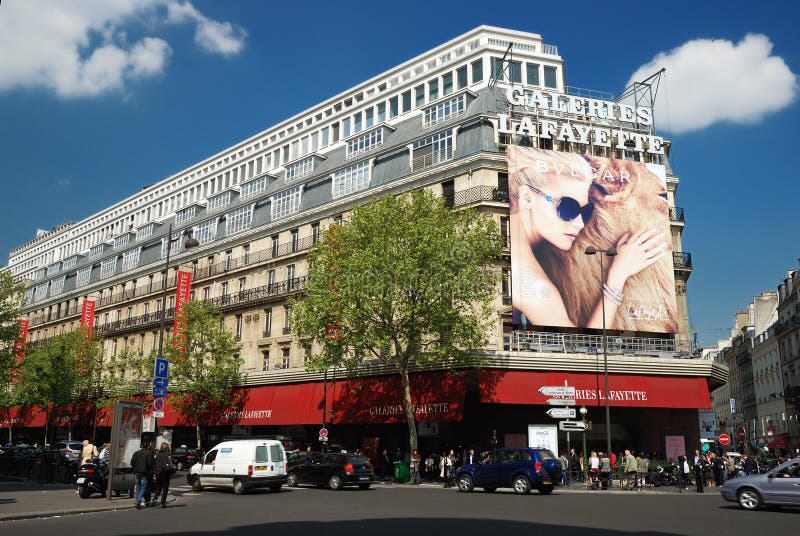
{"x":92,"y":478}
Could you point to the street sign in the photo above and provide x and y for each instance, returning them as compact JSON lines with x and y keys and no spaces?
{"x":160,"y":382}
{"x":705,"y":447}
{"x":741,"y":434}
{"x":572,"y":426}
{"x":558,"y":390}
{"x":159,"y":392}
{"x":733,"y":406}
{"x":158,"y":414}
{"x":162,"y":368}
{"x":561,"y":413}
{"x":724,"y":439}
{"x":323,"y":439}
{"x":560,"y":401}
{"x":323,"y":432}
{"x":158,"y":404}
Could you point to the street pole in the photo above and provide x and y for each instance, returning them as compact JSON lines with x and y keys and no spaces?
{"x":584,"y":411}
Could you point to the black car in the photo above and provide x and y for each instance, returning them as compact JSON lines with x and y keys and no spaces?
{"x":183,"y":458}
{"x":333,"y":470}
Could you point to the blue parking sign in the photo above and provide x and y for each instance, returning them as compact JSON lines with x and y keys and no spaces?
{"x":162,"y":368}
{"x":159,"y":392}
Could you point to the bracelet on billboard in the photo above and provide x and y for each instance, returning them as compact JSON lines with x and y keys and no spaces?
{"x":613,"y":294}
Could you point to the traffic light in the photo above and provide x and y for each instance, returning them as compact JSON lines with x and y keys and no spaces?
{"x":722,"y":423}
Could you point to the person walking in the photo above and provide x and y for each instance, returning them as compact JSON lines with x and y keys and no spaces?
{"x":416,"y":460}
{"x":575,"y":472}
{"x":594,"y":469}
{"x":605,"y":470}
{"x":698,"y":464}
{"x":163,"y":470}
{"x":630,"y":468}
{"x":142,"y":465}
{"x":386,"y":466}
{"x":564,"y":461}
{"x":642,"y":467}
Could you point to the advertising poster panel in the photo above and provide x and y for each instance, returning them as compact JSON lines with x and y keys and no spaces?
{"x":126,"y":433}
{"x":708,"y":425}
{"x":543,"y":436}
{"x":561,"y":203}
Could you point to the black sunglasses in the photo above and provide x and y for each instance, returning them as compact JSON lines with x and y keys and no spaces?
{"x":567,"y":208}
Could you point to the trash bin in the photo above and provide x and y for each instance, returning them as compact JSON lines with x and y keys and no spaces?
{"x":401,"y":471}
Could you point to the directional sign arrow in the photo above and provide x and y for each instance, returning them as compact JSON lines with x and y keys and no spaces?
{"x":558,"y":390}
{"x":561,"y":413}
{"x":560,"y":401}
{"x":572,"y":426}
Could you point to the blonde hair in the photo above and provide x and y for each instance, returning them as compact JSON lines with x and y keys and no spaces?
{"x":537,"y":167}
{"x":620,"y":207}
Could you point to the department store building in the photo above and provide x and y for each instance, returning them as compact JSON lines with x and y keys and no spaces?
{"x":442,"y":121}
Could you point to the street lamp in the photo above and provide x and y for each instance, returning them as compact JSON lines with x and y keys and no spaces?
{"x":583,"y":412}
{"x":189,"y":243}
{"x":610,"y":252}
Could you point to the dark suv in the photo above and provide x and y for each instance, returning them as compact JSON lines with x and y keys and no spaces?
{"x":333,"y":470}
{"x":183,"y":458}
{"x":519,"y":469}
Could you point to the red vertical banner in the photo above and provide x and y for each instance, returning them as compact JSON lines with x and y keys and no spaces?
{"x":182,"y":295}
{"x":19,"y":348}
{"x":87,"y":318}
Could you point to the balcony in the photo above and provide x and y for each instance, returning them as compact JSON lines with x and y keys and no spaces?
{"x":676,"y":214}
{"x":682,"y":260}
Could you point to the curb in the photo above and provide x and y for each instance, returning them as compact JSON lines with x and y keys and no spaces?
{"x":60,"y":513}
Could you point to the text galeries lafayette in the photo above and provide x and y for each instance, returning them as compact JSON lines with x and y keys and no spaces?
{"x":591,"y":394}
{"x":398,"y":409}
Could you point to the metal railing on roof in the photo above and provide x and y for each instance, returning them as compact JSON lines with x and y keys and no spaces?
{"x":579,"y":343}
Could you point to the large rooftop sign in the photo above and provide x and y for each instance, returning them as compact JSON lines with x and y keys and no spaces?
{"x":604,"y":116}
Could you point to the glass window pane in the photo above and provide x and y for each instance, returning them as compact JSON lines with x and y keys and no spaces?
{"x":477,"y":71}
{"x":461,"y":77}
{"x":550,"y":77}
{"x":406,"y":101}
{"x":515,"y":72}
{"x":532,"y":74}
{"x":420,"y":95}
{"x":433,"y":89}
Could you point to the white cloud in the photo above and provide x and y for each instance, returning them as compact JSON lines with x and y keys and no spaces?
{"x":81,"y":48}
{"x":217,"y":37}
{"x":714,"y":80}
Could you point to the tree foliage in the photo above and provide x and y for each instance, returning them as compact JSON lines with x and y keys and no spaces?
{"x":405,"y":281}
{"x":204,"y":366}
{"x":10,"y":296}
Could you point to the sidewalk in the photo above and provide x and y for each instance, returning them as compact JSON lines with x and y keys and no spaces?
{"x":27,"y":500}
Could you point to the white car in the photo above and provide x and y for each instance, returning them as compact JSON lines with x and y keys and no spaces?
{"x":240,"y":465}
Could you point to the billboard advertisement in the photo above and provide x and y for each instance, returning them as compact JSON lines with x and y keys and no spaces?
{"x":561,"y":203}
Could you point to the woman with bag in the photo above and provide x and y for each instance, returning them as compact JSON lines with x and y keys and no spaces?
{"x":163,"y":470}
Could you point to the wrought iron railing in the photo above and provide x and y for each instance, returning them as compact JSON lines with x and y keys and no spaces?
{"x":542,"y":341}
{"x":682,"y":259}
{"x":676,"y":214}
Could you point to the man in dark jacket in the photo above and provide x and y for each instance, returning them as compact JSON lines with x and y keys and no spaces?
{"x":163,"y":472}
{"x":575,"y":473}
{"x":142,"y":465}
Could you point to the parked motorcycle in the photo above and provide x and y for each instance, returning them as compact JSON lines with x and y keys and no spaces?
{"x":665,"y":476}
{"x":92,"y":478}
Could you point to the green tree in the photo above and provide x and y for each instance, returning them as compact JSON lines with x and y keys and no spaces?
{"x":59,"y":376}
{"x":204,"y":366}
{"x":406,"y":281}
{"x":10,"y":297}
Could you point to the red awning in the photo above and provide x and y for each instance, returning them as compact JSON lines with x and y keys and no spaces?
{"x":522,"y":387}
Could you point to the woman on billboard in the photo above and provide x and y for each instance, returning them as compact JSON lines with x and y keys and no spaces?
{"x":562,"y":202}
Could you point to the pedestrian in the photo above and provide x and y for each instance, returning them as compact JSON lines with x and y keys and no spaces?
{"x":387,"y":467}
{"x":163,"y":470}
{"x":451,"y":468}
{"x":683,"y":472}
{"x":575,"y":472}
{"x":151,"y":482}
{"x":470,"y":457}
{"x":748,"y":466}
{"x":697,"y":465}
{"x":630,"y":468}
{"x":89,"y":451}
{"x":564,"y":461}
{"x":594,"y":469}
{"x":605,"y":470}
{"x":415,"y":467}
{"x":642,"y":467}
{"x":142,"y":465}
{"x":443,"y":468}
{"x":105,"y":454}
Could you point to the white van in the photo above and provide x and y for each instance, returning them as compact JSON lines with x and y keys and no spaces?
{"x":241,"y":464}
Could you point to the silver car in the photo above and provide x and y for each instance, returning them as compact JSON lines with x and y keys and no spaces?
{"x":778,"y":487}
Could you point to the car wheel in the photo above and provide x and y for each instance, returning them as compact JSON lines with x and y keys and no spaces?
{"x":546,"y":490}
{"x":291,"y":480}
{"x":749,"y":499}
{"x":521,"y":485}
{"x":489,"y":489}
{"x":465,"y":483}
{"x":363,"y":486}
{"x":196,"y":486}
{"x":335,"y":483}
{"x":238,"y":487}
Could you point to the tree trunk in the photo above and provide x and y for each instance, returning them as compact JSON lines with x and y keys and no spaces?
{"x":409,"y":405}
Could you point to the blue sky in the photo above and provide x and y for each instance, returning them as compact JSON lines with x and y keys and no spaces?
{"x":88,"y":117}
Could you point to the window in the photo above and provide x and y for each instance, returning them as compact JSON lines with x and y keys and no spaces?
{"x":267,"y":322}
{"x":300,"y":169}
{"x":206,"y":293}
{"x":275,"y":453}
{"x":145,"y":231}
{"x":365,"y":142}
{"x":218,"y":201}
{"x":69,"y":262}
{"x":130,"y":259}
{"x":346,"y":127}
{"x":447,"y":83}
{"x":550,"y":77}
{"x":223,"y":290}
{"x":351,"y":179}
{"x":381,"y":112}
{"x":238,"y":220}
{"x":286,"y":203}
{"x":238,"y":332}
{"x":83,"y":276}
{"x":57,"y":285}
{"x":393,"y":109}
{"x":265,"y":360}
{"x":433,"y":90}
{"x":433,"y":150}
{"x":444,"y":110}
{"x":497,"y":69}
{"x":419,"y":93}
{"x":532,"y":72}
{"x":275,"y":245}
{"x":96,"y":251}
{"x":477,"y":71}
{"x":242,"y":283}
{"x":41,"y":292}
{"x":314,"y":233}
{"x":29,"y":294}
{"x":515,"y":71}
{"x":206,"y":231}
{"x":461,"y":77}
{"x":108,"y":267}
{"x":251,"y":188}
{"x":53,"y":269}
{"x":287,"y":319}
{"x":406,"y":101}
{"x":357,"y":123}
{"x":295,"y":240}
{"x":173,"y":244}
{"x":41,"y":273}
{"x":285,"y":357}
{"x":306,"y":354}
{"x":185,"y":215}
{"x":121,"y":241}
{"x":289,"y":276}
